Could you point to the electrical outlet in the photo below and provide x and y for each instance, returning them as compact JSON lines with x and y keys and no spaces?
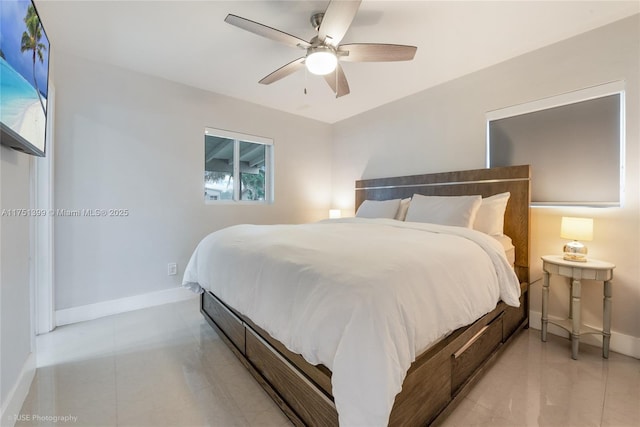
{"x":172,"y":269}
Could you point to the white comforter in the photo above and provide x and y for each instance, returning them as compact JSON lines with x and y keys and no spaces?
{"x":361,"y":296}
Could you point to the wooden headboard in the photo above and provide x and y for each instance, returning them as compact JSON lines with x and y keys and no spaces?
{"x":485,"y":182}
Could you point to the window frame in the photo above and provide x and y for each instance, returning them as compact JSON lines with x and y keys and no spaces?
{"x":237,"y":138}
{"x":577,"y":96}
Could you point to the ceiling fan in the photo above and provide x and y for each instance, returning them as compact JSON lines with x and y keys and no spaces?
{"x":324,"y":51}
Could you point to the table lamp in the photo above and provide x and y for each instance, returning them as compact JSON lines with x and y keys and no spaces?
{"x":576,"y":229}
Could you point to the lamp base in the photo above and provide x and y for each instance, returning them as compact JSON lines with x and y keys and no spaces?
{"x":575,"y":258}
{"x":575,"y":251}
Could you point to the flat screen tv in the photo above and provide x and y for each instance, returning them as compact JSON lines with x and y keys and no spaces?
{"x":24,"y":77}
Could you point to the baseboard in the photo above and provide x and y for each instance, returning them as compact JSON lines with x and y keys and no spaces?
{"x":18,"y":393}
{"x":620,"y":343}
{"x":122,"y":305}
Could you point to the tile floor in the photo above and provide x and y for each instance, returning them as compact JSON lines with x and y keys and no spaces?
{"x":164,"y":366}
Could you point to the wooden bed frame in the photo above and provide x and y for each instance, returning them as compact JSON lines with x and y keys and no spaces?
{"x":440,"y":376}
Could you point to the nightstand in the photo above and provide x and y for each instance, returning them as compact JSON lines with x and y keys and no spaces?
{"x":576,"y":271}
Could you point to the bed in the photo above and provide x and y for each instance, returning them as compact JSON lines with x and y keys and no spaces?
{"x":434,"y":376}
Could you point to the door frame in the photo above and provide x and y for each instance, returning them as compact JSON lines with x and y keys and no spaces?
{"x":42,"y":230}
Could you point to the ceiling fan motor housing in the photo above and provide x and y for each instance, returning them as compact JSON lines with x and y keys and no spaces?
{"x":316,"y":20}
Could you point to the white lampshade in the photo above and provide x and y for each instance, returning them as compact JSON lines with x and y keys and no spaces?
{"x":335,"y":213}
{"x":321,"y":61}
{"x":576,"y":228}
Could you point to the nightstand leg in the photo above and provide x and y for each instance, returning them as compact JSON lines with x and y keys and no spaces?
{"x":545,"y":306}
{"x":575,"y":321}
{"x":606,"y":321}
{"x":570,"y":298}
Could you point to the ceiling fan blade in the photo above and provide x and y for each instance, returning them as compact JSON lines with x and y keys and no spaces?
{"x":341,"y":82}
{"x":265,"y":31}
{"x":376,"y":52}
{"x":283,"y":71}
{"x":337,"y":19}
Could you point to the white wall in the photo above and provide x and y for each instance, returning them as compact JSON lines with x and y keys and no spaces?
{"x":131,"y":141}
{"x":443,"y":128}
{"x":15,"y":306}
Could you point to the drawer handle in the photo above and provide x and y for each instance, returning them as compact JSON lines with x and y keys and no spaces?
{"x":470,"y":342}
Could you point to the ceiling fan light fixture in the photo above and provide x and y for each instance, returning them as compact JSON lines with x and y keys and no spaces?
{"x":321,"y":60}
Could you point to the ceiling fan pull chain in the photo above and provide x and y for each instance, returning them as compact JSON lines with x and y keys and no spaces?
{"x":305,"y":80}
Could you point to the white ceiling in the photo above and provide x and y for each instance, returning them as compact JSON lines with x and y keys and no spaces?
{"x":189,"y":42}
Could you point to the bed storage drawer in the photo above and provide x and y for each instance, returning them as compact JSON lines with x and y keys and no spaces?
{"x":228,"y":322}
{"x":470,"y":356}
{"x":514,"y":316}
{"x":292,"y":385}
{"x":420,"y":401}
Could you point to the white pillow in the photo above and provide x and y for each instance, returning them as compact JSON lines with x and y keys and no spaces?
{"x":402,"y":210}
{"x":490,"y":215}
{"x":459,"y":211}
{"x":378,"y":209}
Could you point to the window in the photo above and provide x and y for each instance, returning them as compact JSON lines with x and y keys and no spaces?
{"x":237,"y":167}
{"x":573,"y":142}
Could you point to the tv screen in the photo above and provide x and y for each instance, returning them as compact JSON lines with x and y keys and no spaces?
{"x":24,"y":77}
